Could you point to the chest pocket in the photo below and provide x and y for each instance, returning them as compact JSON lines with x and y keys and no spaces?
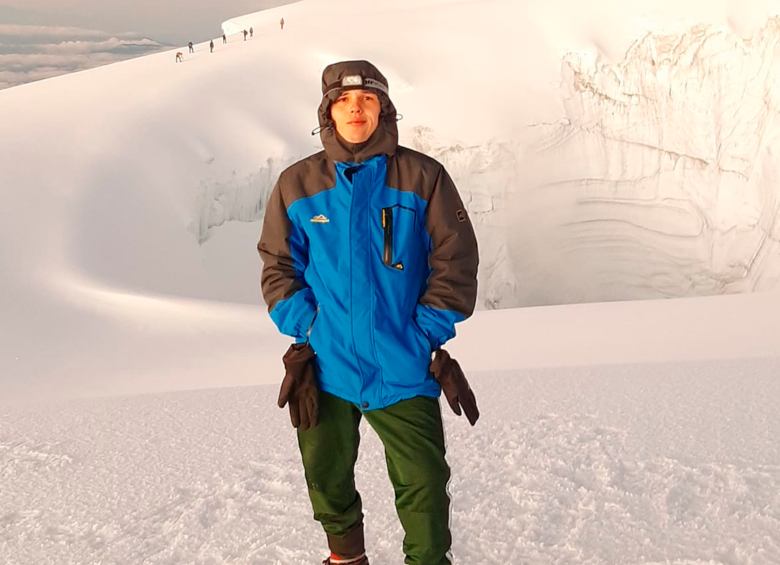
{"x":399,"y":225}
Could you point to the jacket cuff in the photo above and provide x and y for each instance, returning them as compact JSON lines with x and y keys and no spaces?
{"x":295,"y":315}
{"x":437,"y":325}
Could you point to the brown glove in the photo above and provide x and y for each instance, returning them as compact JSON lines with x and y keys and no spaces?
{"x":299,"y":386}
{"x":454,"y":385}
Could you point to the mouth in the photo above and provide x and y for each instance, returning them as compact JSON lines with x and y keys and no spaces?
{"x":356,"y":123}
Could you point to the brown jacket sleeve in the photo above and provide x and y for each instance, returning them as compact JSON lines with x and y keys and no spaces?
{"x":452,"y":286}
{"x":284,"y":250}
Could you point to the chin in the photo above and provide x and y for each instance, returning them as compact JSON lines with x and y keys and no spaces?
{"x":356,"y":136}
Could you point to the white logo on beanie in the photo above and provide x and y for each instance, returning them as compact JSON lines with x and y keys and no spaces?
{"x":352,"y":80}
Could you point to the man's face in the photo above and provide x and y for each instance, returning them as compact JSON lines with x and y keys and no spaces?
{"x":356,"y":114}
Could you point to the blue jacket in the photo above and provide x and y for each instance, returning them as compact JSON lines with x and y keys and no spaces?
{"x":373,"y":263}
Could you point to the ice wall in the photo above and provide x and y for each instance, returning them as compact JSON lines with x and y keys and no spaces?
{"x":661,"y":180}
{"x":664,"y":176}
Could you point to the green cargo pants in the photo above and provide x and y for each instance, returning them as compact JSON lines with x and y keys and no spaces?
{"x":412,"y":434}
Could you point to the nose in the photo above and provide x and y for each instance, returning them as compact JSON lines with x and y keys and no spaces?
{"x":356,"y":107}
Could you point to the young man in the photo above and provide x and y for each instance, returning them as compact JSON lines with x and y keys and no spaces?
{"x":369,"y":261}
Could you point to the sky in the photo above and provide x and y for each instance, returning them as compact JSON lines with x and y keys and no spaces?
{"x":45,"y":38}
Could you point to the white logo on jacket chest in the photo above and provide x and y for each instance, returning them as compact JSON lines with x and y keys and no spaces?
{"x":320,"y":219}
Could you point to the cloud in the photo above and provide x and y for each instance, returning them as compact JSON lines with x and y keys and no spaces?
{"x":30,"y":53}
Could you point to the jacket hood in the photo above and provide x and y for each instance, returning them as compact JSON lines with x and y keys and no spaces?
{"x":350,"y":75}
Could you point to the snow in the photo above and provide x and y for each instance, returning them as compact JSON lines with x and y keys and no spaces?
{"x":633,"y":464}
{"x":612,"y":156}
{"x":620,"y":162}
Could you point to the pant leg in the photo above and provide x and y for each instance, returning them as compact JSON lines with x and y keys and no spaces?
{"x":329,"y":452}
{"x":412,"y":434}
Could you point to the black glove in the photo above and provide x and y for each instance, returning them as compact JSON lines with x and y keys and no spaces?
{"x":299,"y":386}
{"x":454,"y":385}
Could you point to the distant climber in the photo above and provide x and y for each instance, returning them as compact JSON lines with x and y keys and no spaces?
{"x":224,"y":38}
{"x":211,"y":45}
{"x":179,"y":57}
{"x":192,"y":49}
{"x":251,"y":32}
{"x":245,"y":34}
{"x":281,"y":23}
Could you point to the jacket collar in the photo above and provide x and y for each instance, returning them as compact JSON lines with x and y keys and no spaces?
{"x":383,"y":141}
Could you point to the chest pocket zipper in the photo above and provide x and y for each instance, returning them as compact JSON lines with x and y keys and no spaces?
{"x":387,"y":226}
{"x":391,"y":223}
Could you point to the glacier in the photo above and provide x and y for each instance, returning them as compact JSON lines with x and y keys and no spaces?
{"x":660,"y":179}
{"x":622,"y":153}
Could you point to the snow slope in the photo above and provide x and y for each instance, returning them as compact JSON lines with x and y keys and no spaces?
{"x":674,"y":464}
{"x":606,"y":155}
